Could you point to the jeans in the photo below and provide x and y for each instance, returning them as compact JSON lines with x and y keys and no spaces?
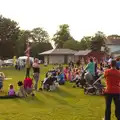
{"x":108,"y":99}
{"x":36,"y":78}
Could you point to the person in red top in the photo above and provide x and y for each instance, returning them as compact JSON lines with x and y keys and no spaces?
{"x":112,"y":91}
{"x":28,"y":85}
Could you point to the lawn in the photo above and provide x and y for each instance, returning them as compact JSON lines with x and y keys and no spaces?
{"x":66,"y":103}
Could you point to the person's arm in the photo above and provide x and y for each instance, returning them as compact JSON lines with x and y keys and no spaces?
{"x":87,"y":67}
{"x":101,"y":77}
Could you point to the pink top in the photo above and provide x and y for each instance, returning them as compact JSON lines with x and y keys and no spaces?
{"x":65,"y":71}
{"x":11,"y":92}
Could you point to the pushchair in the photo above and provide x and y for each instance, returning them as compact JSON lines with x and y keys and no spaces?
{"x":95,"y":89}
{"x":49,"y":83}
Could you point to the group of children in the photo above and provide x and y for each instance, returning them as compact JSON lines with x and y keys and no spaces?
{"x":25,"y":88}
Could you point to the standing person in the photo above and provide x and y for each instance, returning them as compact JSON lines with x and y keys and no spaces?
{"x":112,"y":77}
{"x":96,"y":70}
{"x":28,"y":66}
{"x":36,"y":72}
{"x":118,"y":63}
{"x":91,"y":67}
{"x":90,"y":71}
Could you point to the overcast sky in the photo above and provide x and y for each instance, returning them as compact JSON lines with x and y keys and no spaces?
{"x":85,"y":17}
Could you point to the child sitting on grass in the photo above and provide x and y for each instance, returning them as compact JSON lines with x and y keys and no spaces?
{"x":11,"y":91}
{"x":21,"y":92}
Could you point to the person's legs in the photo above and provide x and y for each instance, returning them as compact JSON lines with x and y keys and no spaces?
{"x":117,"y":106}
{"x":27,"y":72}
{"x":108,"y":100}
{"x":36,"y":77}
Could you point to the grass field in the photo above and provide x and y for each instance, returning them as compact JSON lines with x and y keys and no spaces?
{"x":66,"y":103}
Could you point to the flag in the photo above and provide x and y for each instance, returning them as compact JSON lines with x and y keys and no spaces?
{"x":27,"y":52}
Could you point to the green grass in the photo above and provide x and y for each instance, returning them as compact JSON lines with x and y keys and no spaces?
{"x":66,"y":103}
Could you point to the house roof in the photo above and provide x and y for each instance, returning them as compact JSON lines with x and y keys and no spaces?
{"x":112,"y":41}
{"x":58,"y":52}
{"x":82,"y":52}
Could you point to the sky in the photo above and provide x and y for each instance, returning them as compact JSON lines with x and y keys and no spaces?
{"x":85,"y":17}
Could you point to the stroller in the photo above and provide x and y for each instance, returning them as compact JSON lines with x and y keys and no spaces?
{"x":95,"y":89}
{"x":50,"y":82}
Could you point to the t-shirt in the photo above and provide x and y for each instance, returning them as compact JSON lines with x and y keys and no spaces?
{"x":36,"y":70}
{"x":11,"y":92}
{"x":91,"y":68}
{"x":112,"y":77}
{"x":28,"y":83}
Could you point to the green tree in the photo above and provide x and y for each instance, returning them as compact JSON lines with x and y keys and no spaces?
{"x":39,"y":35}
{"x":71,"y":44}
{"x":85,"y":43}
{"x":98,"y":41}
{"x":9,"y":31}
{"x":62,"y":35}
{"x":40,"y":41}
{"x":23,"y":38}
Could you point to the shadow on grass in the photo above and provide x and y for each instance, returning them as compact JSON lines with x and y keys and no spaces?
{"x":64,"y":93}
{"x":57,"y":99}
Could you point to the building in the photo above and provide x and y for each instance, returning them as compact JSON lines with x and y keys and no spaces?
{"x":85,"y":54}
{"x":112,"y":43}
{"x":61,"y":56}
{"x":82,"y":54}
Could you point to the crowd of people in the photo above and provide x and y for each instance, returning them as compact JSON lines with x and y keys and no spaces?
{"x":86,"y":76}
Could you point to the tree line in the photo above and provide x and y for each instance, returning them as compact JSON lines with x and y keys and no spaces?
{"x":13,"y":40}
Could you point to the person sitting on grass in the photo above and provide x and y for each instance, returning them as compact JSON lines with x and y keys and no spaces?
{"x":28,"y":86}
{"x":49,"y":82}
{"x":21,"y":92}
{"x":61,"y":79}
{"x":11,"y":91}
{"x":2,"y":77}
{"x":77,"y":77}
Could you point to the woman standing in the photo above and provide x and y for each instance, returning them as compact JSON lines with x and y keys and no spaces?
{"x":36,"y":72}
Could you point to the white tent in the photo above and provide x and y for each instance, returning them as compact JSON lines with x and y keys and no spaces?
{"x":25,"y":58}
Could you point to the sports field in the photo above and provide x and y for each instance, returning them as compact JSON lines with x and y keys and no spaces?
{"x":66,"y":103}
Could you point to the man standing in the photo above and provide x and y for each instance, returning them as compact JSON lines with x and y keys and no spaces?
{"x":112,"y":77}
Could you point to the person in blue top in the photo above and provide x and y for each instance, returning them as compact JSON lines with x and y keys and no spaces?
{"x":61,"y":78}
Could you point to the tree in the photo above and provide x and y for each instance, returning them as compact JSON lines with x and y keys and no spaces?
{"x":23,"y":38}
{"x":62,"y":35}
{"x":40,"y":41}
{"x":85,"y":43}
{"x":98,"y":41}
{"x":71,"y":44}
{"x":9,"y":31}
{"x":39,"y":35}
{"x":37,"y":48}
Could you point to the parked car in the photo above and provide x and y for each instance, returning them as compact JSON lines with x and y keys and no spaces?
{"x":8,"y":62}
